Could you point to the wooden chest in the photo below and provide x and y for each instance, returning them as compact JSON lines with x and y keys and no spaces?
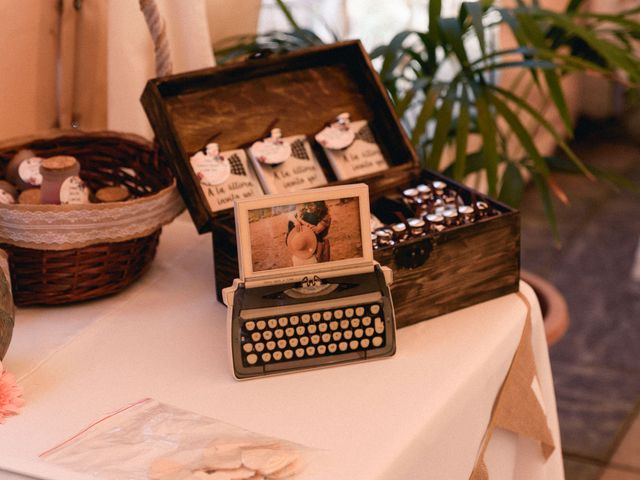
{"x":299,"y":93}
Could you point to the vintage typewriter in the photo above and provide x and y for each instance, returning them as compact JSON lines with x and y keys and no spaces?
{"x":309,"y":293}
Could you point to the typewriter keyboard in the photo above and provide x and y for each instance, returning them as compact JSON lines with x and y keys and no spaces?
{"x":305,"y":339}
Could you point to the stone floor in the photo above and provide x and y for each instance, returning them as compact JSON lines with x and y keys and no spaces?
{"x":596,"y":365}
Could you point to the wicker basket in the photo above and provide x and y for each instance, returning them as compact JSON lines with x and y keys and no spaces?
{"x":51,"y":274}
{"x":6,"y":306}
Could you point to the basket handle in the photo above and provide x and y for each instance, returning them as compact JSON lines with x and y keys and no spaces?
{"x":157,"y":28}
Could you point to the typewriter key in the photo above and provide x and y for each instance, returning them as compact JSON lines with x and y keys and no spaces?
{"x":416,"y":226}
{"x":252,"y":358}
{"x":379,"y":325}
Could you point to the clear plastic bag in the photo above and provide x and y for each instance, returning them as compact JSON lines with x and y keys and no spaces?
{"x":150,"y":440}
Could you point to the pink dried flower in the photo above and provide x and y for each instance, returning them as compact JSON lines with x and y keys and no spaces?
{"x":10,"y":395}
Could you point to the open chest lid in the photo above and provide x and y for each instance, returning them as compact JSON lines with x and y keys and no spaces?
{"x":300,"y":93}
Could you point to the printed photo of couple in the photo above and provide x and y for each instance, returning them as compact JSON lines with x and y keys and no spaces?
{"x":306,"y":233}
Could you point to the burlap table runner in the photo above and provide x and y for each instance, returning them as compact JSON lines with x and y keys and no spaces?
{"x":517,"y":407}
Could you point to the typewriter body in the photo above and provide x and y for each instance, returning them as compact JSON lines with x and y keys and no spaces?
{"x":309,"y":294}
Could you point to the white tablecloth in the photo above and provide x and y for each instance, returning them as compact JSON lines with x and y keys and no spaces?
{"x":418,"y":415}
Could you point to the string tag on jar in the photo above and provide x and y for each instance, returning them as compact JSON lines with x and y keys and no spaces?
{"x":273,"y":150}
{"x":210,"y":166}
{"x":339,"y":135}
{"x":73,"y":191}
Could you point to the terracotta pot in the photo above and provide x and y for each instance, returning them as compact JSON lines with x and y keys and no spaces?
{"x":553,"y":305}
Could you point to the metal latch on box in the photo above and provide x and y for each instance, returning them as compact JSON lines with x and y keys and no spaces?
{"x":413,"y":255}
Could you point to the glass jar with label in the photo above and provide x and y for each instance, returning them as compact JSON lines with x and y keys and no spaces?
{"x":416,"y":227}
{"x":23,"y":170}
{"x":400,"y":232}
{"x":55,"y":172}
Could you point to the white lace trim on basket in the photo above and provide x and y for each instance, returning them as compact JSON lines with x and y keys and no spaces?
{"x":62,"y":227}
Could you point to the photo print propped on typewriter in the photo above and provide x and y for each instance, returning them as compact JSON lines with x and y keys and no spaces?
{"x":310,"y":293}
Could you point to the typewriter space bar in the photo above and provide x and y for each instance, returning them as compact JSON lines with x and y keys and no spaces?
{"x":315,"y":362}
{"x":343,"y":302}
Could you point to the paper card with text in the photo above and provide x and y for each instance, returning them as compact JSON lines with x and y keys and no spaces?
{"x":225,"y":177}
{"x":361,"y":157}
{"x":298,"y":172}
